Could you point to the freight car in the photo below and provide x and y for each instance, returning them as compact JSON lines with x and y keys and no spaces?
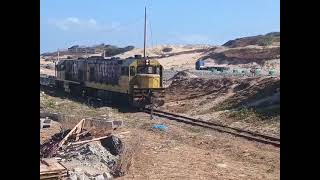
{"x":134,"y":81}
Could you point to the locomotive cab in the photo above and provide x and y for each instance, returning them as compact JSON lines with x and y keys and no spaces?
{"x":148,"y":77}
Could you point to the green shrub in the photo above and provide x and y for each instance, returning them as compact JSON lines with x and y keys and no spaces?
{"x":167,"y":49}
{"x":265,"y":41}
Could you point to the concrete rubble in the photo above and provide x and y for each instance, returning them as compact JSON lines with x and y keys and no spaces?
{"x":45,"y":122}
{"x":89,"y":151}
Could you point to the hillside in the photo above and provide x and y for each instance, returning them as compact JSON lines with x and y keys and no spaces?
{"x":250,"y":103}
{"x":179,"y":57}
{"x":161,"y":50}
{"x":239,"y":53}
{"x":268,"y":39}
{"x":245,"y":55}
{"x":76,"y":50}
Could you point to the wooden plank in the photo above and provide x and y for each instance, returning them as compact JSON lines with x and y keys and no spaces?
{"x":99,"y":138}
{"x":85,"y":132}
{"x":52,"y":173}
{"x":58,"y":176}
{"x":76,"y":128}
{"x":53,"y":168}
{"x":86,"y":141}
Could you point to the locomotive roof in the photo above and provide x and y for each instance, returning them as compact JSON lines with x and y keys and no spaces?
{"x":125,"y":62}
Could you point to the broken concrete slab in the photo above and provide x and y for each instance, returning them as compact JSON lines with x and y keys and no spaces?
{"x":53,"y":116}
{"x":45,"y":122}
{"x":102,"y":123}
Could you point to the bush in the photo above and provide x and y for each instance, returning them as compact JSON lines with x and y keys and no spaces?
{"x":242,"y":113}
{"x":129,"y":48}
{"x":167,"y":49}
{"x":264,"y":41}
{"x":114,"y":50}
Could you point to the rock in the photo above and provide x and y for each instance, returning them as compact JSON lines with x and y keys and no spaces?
{"x":88,"y":175}
{"x":99,"y":177}
{"x":72,"y":177}
{"x":222,"y":165}
{"x":107,"y":175}
{"x":109,"y":163}
{"x":113,"y":144}
{"x":83,"y":177}
{"x":183,"y":75}
{"x":77,"y":170}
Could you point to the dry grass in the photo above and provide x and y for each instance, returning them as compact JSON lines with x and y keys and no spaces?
{"x":180,"y":154}
{"x":132,"y":147}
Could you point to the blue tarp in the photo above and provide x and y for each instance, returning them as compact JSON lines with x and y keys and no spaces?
{"x":161,"y":127}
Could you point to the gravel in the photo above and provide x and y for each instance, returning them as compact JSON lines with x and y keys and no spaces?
{"x":91,"y":161}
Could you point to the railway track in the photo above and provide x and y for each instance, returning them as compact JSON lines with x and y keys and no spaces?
{"x":253,"y":136}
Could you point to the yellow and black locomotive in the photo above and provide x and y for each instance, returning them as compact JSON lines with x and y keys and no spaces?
{"x":136,"y":81}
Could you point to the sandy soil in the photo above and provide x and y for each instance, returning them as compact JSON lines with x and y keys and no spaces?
{"x":201,"y":98}
{"x":187,"y":60}
{"x":157,"y":50}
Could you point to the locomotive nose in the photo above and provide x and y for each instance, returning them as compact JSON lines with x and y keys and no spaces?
{"x":148,"y":80}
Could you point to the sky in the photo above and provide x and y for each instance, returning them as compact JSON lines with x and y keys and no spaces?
{"x":64,"y":23}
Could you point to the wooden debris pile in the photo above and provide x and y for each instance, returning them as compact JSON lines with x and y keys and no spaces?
{"x":52,"y":169}
{"x":95,"y":131}
{"x":78,"y":144}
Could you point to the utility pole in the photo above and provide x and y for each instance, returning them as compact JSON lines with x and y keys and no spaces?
{"x":145,"y":29}
{"x":150,"y":94}
{"x":77,"y":53}
{"x":58,"y":55}
{"x":55,"y":64}
{"x":152,"y":104}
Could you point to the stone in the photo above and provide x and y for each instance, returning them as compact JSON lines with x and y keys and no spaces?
{"x":77,"y":170}
{"x":222,"y":165}
{"x":99,"y":177}
{"x":83,"y":177}
{"x":107,"y":175}
{"x":72,"y":177}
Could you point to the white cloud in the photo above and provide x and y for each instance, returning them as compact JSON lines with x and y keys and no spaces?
{"x":193,"y":38}
{"x":76,"y":24}
{"x":93,"y":21}
{"x":73,"y":20}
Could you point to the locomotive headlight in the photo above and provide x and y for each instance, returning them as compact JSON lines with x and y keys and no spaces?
{"x":147,"y":62}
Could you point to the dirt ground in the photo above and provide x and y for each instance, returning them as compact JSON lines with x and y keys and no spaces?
{"x":186,"y":152}
{"x":46,"y":133}
{"x":183,"y":151}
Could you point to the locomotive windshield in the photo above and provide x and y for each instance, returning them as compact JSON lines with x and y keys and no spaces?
{"x":148,"y":70}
